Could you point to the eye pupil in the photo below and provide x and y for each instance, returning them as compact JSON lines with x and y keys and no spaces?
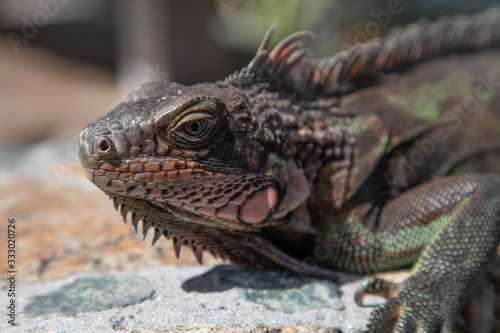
{"x":195,"y":126}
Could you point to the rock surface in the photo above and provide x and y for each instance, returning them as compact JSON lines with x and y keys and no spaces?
{"x":174,"y":303}
{"x":91,"y":294}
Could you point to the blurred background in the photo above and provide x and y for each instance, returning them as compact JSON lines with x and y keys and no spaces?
{"x":64,"y":63}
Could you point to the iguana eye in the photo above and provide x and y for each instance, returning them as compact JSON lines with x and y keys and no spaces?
{"x":194,"y":128}
{"x":190,"y":122}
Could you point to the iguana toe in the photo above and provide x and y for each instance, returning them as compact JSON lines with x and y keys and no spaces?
{"x":412,"y":307}
{"x":376,"y":286}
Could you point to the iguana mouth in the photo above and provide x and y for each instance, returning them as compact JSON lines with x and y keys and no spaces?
{"x":229,"y":196}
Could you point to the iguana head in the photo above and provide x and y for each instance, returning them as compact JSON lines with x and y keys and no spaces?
{"x":197,"y":163}
{"x":200,"y":149}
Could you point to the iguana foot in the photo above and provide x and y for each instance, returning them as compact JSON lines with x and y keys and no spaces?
{"x":417,"y":305}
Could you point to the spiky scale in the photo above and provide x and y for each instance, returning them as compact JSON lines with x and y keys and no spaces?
{"x":124,"y":212}
{"x":198,"y":253}
{"x":135,"y":221}
{"x":145,"y":228}
{"x":157,"y":235}
{"x":116,"y":203}
{"x":177,"y":246}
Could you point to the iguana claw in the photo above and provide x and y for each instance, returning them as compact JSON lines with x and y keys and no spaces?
{"x":412,"y":307}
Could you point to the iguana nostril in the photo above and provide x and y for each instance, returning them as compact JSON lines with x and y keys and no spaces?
{"x":104,"y":146}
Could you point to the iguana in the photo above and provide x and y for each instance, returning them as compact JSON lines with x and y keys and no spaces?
{"x":385,"y":155}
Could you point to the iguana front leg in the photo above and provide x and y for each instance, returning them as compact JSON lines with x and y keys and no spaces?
{"x":455,"y":221}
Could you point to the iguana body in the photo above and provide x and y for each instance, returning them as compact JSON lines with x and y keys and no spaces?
{"x":346,"y":163}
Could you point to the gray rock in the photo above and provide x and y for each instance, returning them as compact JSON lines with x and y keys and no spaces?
{"x":190,"y":299}
{"x":286,"y":292}
{"x":91,"y":294}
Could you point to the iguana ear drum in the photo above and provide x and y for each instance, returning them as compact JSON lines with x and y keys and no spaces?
{"x":258,"y":206}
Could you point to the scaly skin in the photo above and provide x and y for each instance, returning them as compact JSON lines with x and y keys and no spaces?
{"x":346,"y":163}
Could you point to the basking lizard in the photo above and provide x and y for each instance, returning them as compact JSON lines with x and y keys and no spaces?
{"x":382,"y":156}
